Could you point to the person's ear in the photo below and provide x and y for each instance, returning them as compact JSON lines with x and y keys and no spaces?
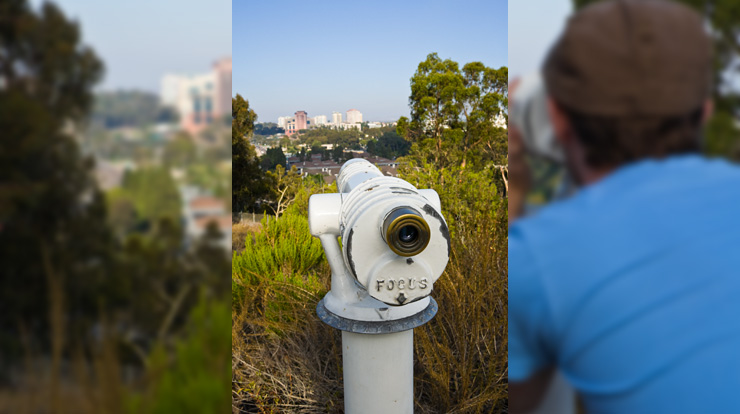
{"x":708,"y":111}
{"x":559,"y":120}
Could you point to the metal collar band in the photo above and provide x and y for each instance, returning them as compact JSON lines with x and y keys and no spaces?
{"x":382,"y":327}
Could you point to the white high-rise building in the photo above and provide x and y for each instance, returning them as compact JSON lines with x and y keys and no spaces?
{"x":319,"y":120}
{"x":354,"y":116}
{"x":283,"y":121}
{"x":336,"y":118}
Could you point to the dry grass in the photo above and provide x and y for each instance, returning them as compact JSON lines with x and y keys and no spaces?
{"x":240,"y":231}
{"x":85,"y":383}
{"x":462,"y":353}
{"x":287,"y":361}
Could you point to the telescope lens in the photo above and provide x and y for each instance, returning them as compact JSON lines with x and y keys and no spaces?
{"x":408,"y":234}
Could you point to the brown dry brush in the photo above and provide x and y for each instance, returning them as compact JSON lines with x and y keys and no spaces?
{"x":461,"y":355}
{"x":87,"y":380}
{"x":283,"y":358}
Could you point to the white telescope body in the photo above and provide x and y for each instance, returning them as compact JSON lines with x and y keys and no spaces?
{"x":395,"y":245}
{"x":528,"y":112}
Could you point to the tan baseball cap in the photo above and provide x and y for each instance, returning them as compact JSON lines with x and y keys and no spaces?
{"x":631,"y":58}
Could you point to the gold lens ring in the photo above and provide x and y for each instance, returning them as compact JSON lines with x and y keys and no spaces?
{"x":406,"y":232}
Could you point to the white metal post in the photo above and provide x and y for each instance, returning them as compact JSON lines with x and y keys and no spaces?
{"x":378,"y":373}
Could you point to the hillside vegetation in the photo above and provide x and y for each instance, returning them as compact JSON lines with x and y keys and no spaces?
{"x":285,"y":360}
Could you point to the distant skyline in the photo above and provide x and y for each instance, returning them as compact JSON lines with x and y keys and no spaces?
{"x":334,"y":56}
{"x":141,"y":40}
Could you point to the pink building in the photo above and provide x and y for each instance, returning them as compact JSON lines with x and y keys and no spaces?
{"x":200,"y":99}
{"x":300,"y":120}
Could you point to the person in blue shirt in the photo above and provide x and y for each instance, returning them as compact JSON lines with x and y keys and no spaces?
{"x":630,"y":287}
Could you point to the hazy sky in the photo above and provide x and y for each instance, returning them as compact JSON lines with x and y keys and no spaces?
{"x":533,"y":27}
{"x":337,"y":55}
{"x":141,"y":40}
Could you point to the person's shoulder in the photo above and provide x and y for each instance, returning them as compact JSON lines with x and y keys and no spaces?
{"x":637,"y":183}
{"x":550,"y":218}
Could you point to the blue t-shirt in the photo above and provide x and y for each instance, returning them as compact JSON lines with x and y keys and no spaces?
{"x":632,"y":289}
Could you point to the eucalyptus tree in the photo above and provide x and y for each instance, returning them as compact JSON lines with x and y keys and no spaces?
{"x":454,"y":113}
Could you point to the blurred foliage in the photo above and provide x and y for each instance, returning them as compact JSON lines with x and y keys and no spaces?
{"x":81,"y":310}
{"x":212,"y":176}
{"x":130,"y":109}
{"x":198,"y":380}
{"x":180,"y":151}
{"x":722,"y":136}
{"x":52,"y":216}
{"x":153,"y":195}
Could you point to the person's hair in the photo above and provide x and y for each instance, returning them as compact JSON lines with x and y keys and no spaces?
{"x":614,"y":141}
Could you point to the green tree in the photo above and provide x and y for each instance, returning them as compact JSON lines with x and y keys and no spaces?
{"x":197,"y":381}
{"x":272,"y":158}
{"x":154,"y":194}
{"x":180,"y":151}
{"x":337,"y":154}
{"x":268,"y":128}
{"x":130,"y":108}
{"x":389,"y":145}
{"x":454,"y":113}
{"x":284,"y":185}
{"x":248,"y":181}
{"x":54,"y":242}
{"x":122,"y":215}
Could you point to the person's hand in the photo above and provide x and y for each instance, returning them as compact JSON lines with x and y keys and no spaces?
{"x":519,"y":172}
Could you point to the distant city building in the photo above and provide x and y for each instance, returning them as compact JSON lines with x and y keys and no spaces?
{"x":354,"y":116}
{"x":222,"y":71}
{"x":199,"y":99}
{"x":199,"y":210}
{"x":300,"y":120}
{"x":336,"y":118}
{"x":319,"y":120}
{"x":345,"y":125}
{"x":290,"y":127}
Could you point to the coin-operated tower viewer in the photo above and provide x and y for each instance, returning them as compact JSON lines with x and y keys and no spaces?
{"x":394,"y":245}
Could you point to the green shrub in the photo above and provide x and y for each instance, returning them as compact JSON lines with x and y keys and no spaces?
{"x":461,"y":354}
{"x":283,"y":252}
{"x":286,"y":360}
{"x":197,"y":380}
